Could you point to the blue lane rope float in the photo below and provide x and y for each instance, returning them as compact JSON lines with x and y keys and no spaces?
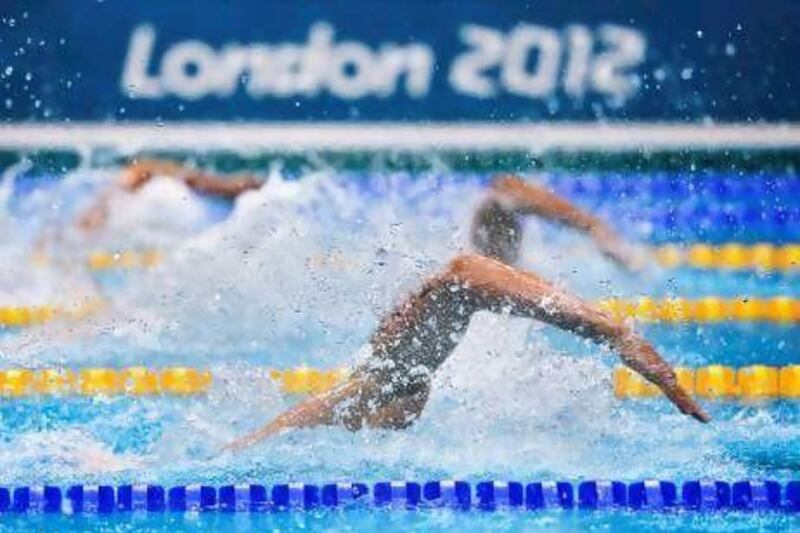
{"x":714,"y":188}
{"x":650,"y":495}
{"x":732,"y":205}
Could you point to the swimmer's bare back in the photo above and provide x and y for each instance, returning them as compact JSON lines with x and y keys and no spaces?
{"x":136,"y":175}
{"x":497,"y":227}
{"x":441,"y":310}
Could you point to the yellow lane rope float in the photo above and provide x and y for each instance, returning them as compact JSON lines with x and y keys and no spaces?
{"x":781,"y":309}
{"x":308,"y":380}
{"x":142,"y":381}
{"x":136,"y":381}
{"x":731,"y":256}
{"x":717,"y":381}
{"x":20,"y":316}
{"x":124,"y":260}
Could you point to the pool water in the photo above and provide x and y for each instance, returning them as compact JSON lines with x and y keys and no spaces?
{"x":299,"y":272}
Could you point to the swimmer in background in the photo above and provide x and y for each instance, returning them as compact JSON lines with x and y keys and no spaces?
{"x":391,"y":388}
{"x":131,"y":181}
{"x":138,"y":174}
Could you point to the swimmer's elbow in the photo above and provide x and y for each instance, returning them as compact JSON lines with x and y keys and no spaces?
{"x":464,"y":266}
{"x":504,"y":183}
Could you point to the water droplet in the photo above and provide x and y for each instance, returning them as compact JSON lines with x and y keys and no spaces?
{"x":699,"y":34}
{"x":730,"y":50}
{"x":9,"y":70}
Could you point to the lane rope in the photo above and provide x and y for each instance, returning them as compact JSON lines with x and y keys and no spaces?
{"x":713,"y":381}
{"x":651,"y":495}
{"x":17,"y":316}
{"x":728,"y":256}
{"x":135,"y":381}
{"x":754,"y":382}
{"x":124,"y":259}
{"x":780,"y":309}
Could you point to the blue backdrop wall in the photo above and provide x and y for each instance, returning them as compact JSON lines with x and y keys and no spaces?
{"x":400,"y":60}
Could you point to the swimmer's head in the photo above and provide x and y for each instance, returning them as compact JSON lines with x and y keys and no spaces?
{"x":497,"y":232}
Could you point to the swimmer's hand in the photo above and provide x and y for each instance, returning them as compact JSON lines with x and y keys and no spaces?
{"x":642,"y":358}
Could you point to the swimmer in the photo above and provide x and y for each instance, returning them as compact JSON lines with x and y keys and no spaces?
{"x":391,"y":388}
{"x":138,"y":174}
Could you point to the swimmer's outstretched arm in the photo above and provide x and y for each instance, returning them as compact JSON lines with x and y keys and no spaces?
{"x":315,"y":411}
{"x":481,"y":283}
{"x":530,"y":199}
{"x":499,"y":287}
{"x":136,"y":175}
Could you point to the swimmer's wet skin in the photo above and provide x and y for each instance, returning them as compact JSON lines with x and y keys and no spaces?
{"x":497,"y":225}
{"x":391,"y":389}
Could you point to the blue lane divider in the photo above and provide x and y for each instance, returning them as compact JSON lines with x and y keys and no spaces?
{"x":710,"y":208}
{"x":650,"y":495}
{"x":676,"y":186}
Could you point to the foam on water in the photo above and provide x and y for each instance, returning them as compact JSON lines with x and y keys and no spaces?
{"x":299,"y":273}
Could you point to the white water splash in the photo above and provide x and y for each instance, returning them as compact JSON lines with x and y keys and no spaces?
{"x":299,"y":273}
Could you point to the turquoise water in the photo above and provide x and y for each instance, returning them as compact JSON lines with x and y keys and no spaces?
{"x":298,"y":273}
{"x":364,"y":520}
